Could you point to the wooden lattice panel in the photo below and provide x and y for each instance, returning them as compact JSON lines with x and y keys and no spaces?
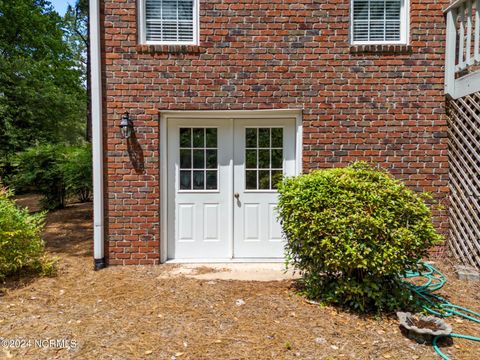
{"x":464,"y":158}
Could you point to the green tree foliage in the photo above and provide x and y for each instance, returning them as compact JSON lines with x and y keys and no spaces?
{"x":42,"y":90}
{"x":76,"y":29}
{"x":21,"y":246}
{"x":75,"y":25}
{"x":352,"y":231}
{"x":58,"y":172}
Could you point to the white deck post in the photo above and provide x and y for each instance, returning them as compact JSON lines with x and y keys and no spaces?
{"x":450,"y":50}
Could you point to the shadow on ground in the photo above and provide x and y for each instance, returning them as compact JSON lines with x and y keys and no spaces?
{"x":70,"y":231}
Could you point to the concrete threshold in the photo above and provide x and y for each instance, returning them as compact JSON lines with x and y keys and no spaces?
{"x":233,"y":271}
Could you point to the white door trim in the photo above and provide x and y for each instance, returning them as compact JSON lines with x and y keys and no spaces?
{"x":228,"y":115}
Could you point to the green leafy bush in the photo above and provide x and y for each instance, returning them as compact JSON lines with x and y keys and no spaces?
{"x":21,"y":247}
{"x":77,"y":172}
{"x":55,"y":171}
{"x":38,"y":168}
{"x":351,"y":232}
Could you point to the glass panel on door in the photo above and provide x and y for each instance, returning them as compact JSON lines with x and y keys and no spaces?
{"x":263,"y":158}
{"x":198,"y":159}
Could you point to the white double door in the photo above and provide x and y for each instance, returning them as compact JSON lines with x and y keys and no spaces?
{"x":222,"y":179}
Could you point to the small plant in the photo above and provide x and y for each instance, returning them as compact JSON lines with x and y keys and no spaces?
{"x":21,"y":247}
{"x":352,"y":231}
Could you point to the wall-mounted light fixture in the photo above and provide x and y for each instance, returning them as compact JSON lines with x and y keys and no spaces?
{"x":126,"y":125}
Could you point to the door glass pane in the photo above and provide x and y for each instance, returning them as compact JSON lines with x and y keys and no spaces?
{"x":185,"y":137}
{"x":263,"y":158}
{"x":211,"y":137}
{"x":264,"y":179}
{"x":277,"y":158}
{"x":198,"y":159}
{"x":251,"y":179}
{"x":211,"y":179}
{"x":185,"y":179}
{"x":251,"y":137}
{"x":251,"y":159}
{"x":199,"y":180}
{"x":263,"y":138}
{"x":185,"y":158}
{"x":277,"y":137}
{"x":198,"y":152}
{"x":211,"y":159}
{"x":277,"y":176}
{"x":199,"y":138}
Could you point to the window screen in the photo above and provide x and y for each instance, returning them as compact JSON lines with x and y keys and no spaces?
{"x":170,"y":21}
{"x":377,"y":20}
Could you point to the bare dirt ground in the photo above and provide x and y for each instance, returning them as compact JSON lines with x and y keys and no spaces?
{"x":136,"y":313}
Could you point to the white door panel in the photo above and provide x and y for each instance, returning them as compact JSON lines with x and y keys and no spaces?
{"x":211,"y":222}
{"x":274,"y":227}
{"x":199,"y":189}
{"x":186,"y":222}
{"x":258,"y":165}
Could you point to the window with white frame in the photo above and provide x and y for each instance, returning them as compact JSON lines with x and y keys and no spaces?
{"x":379,"y":21}
{"x":168,"y":22}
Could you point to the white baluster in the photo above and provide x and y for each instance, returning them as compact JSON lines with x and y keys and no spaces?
{"x":461,"y":47}
{"x":469,"y":59}
{"x":476,"y":43}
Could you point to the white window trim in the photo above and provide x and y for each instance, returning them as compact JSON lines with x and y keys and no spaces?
{"x":404,"y":27}
{"x":142,"y":26}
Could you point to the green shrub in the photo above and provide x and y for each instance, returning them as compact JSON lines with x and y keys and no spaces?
{"x":77,"y":172}
{"x":21,"y":247}
{"x":56,"y":172}
{"x":351,"y":232}
{"x":39,"y":168}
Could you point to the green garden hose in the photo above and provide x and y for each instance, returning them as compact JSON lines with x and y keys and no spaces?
{"x":436,"y":305}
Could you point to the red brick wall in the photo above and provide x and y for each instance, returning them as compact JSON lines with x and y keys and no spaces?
{"x":384,"y":105}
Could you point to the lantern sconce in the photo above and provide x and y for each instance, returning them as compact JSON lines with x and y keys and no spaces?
{"x":126,"y":125}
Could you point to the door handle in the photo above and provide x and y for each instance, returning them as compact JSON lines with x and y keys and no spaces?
{"x":237,"y":195}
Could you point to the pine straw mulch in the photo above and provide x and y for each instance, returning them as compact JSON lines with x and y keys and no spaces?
{"x":134,"y":313}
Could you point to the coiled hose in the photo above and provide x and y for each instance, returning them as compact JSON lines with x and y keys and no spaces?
{"x":436,"y":305}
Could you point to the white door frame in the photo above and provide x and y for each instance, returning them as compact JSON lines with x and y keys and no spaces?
{"x":228,"y":115}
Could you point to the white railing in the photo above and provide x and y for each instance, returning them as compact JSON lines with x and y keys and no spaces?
{"x":462,"y":48}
